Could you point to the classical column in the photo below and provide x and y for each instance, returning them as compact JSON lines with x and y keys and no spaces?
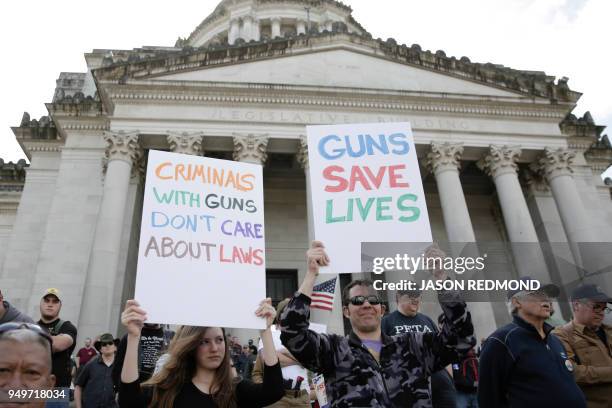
{"x":556,"y":167}
{"x":234,"y":31}
{"x":302,"y":158}
{"x":256,"y":30}
{"x":443,"y":161}
{"x":251,"y":148}
{"x":301,"y":27}
{"x":500,"y":163}
{"x":276,"y":27}
{"x":328,"y":25}
{"x":185,"y":143}
{"x":122,"y":153}
{"x":247,"y":28}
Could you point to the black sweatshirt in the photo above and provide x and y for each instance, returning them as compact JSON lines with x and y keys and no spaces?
{"x":248,"y":394}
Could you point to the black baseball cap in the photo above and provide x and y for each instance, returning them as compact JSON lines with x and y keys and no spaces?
{"x":549,"y":289}
{"x":592,"y":292}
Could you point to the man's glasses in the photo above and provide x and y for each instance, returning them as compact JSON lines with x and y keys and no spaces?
{"x":8,"y":327}
{"x":599,"y":308}
{"x":360,"y":300}
{"x":107,"y":343}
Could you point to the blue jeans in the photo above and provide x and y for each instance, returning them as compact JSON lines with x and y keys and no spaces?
{"x":467,"y":399}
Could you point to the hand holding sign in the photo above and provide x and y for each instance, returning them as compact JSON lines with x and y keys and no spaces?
{"x":316,"y":257}
{"x":267,"y":311}
{"x":133,"y":318}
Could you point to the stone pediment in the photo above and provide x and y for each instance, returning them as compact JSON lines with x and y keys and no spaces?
{"x":339,"y":68}
{"x":338,"y":59}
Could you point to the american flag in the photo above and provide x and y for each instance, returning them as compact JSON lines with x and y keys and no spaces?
{"x":323,"y":295}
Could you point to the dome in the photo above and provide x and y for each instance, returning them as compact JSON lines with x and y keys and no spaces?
{"x":255,"y":20}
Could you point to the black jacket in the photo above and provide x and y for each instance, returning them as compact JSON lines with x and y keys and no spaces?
{"x":519,"y":368}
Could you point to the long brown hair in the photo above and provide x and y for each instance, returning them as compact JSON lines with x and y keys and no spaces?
{"x":180,"y":367}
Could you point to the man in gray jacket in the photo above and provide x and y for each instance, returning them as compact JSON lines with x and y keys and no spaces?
{"x":9,"y":314}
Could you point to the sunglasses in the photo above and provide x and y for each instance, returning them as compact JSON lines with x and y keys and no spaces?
{"x":107,"y":343}
{"x":8,"y":327}
{"x":360,"y":300}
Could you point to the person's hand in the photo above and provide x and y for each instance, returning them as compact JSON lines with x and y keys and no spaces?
{"x":435,"y":253}
{"x":133,"y":317}
{"x":267,"y":311}
{"x":316,"y":257}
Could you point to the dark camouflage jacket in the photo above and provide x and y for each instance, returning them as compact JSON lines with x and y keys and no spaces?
{"x":355,"y":379}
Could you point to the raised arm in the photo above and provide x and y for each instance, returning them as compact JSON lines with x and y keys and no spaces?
{"x":130,"y":392}
{"x":271,"y":389}
{"x":314,"y":351}
{"x":267,"y":312}
{"x":456,"y":336}
{"x":133,"y":318}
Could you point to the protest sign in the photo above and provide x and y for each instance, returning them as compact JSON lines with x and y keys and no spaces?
{"x":365,"y":186}
{"x":201,"y":240}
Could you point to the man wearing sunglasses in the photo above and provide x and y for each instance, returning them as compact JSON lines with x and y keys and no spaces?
{"x":369,"y":368}
{"x":94,"y":384}
{"x":523,"y":364}
{"x":588,"y":343}
{"x":25,"y":362}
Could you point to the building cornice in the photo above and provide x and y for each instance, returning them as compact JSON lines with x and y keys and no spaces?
{"x":162,"y":92}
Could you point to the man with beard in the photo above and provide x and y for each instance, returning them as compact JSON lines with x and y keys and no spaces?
{"x":523,"y":364}
{"x":369,"y":368}
{"x":588,"y":343}
{"x":63,"y":333}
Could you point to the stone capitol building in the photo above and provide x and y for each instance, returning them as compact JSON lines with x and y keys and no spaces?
{"x":502,"y":157}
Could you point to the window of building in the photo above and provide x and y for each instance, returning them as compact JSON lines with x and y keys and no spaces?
{"x":280,"y":284}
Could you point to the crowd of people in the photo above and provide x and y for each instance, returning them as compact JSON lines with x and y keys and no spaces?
{"x":399,"y":359}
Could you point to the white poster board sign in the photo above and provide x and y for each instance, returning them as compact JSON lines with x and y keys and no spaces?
{"x":365,"y":187}
{"x":201,"y":258}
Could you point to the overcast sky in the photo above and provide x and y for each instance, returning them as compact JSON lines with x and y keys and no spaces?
{"x":40,"y":39}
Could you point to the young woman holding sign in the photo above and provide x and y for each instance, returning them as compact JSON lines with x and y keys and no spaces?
{"x":198,"y":370}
